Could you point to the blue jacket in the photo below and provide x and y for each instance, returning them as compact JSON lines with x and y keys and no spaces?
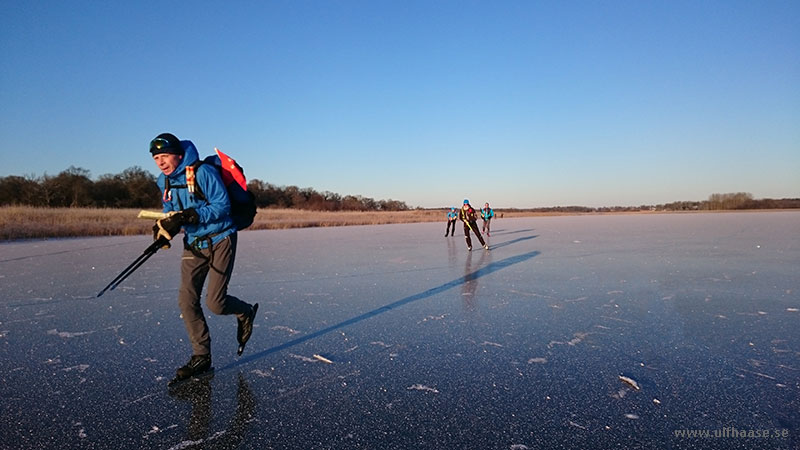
{"x":487,"y":213}
{"x":214,"y":212}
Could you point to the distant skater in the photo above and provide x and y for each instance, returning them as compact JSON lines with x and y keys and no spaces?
{"x":487,"y":214}
{"x":468,"y":215}
{"x":451,"y":221}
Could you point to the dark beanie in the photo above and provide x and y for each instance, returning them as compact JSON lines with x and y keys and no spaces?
{"x":166,"y":143}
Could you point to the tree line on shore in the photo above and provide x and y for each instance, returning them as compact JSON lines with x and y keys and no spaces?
{"x":715,"y":202}
{"x":137,"y":188}
{"x":737,"y":200}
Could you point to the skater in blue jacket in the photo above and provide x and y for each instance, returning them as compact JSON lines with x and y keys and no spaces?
{"x":452,"y":216}
{"x":209,"y":244}
{"x":487,"y":214}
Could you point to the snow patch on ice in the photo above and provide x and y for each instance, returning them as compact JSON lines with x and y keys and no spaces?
{"x":537,"y":361}
{"x":188,"y":443}
{"x":142,"y":399}
{"x":576,"y":425}
{"x":421,"y":387}
{"x":579,"y":337}
{"x":433,"y":318}
{"x":67,"y":334}
{"x":529,"y":294}
{"x":261,"y":373}
{"x":303,"y":358}
{"x":155,"y":430}
{"x":284,"y":328}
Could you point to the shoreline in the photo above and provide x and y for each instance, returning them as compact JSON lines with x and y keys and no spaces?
{"x":24,"y":223}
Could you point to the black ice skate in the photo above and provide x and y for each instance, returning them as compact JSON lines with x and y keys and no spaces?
{"x":198,"y":365}
{"x":245,"y":329}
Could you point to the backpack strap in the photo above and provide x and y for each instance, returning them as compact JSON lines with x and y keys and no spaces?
{"x":191,"y":181}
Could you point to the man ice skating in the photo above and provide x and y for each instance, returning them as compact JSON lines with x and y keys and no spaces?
{"x":487,"y":214}
{"x":468,"y":215}
{"x":209,"y":245}
{"x":451,"y":221}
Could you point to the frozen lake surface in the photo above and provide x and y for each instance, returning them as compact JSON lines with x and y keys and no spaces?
{"x":535,"y":344}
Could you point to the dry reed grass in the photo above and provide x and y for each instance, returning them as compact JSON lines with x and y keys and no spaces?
{"x":24,"y":222}
{"x":27,"y":222}
{"x":296,"y":218}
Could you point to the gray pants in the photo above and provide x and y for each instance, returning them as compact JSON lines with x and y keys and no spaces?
{"x":216,"y":264}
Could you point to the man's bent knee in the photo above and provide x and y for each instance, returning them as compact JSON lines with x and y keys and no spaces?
{"x":216,"y":306}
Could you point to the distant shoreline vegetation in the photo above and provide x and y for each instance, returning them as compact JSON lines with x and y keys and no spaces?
{"x":70,"y":204}
{"x":29,"y":222}
{"x":716,"y":202}
{"x":137,"y":188}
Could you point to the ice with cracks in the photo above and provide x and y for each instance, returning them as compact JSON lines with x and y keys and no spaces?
{"x":597,"y":331}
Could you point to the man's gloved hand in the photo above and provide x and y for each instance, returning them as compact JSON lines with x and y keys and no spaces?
{"x":171,"y":225}
{"x":157,"y":236}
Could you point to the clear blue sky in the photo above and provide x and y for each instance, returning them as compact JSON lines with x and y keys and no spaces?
{"x":518,"y":103}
